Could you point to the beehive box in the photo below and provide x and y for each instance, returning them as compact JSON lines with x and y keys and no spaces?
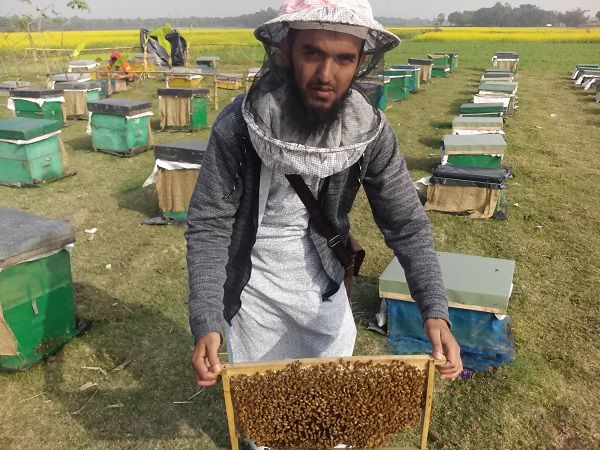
{"x":453,"y":59}
{"x":476,"y":192}
{"x":77,"y":95}
{"x":497,"y":76}
{"x":508,"y":101}
{"x":477,"y":150}
{"x":377,"y":91}
{"x":482,"y":110}
{"x":183,"y":108}
{"x":397,"y":85}
{"x":426,"y":66}
{"x":479,"y":291}
{"x":477,"y":125}
{"x":7,"y":86}
{"x":177,"y":167}
{"x":208,"y":64}
{"x":413,"y":71}
{"x":506,"y":61}
{"x":440,"y":71}
{"x":120,"y":127}
{"x":30,"y":151}
{"x":83,"y":65}
{"x":38,"y":103}
{"x":71,"y":77}
{"x":230,"y":81}
{"x":498,"y":86}
{"x":37,"y":312}
{"x":182,"y":77}
{"x":321,"y":403}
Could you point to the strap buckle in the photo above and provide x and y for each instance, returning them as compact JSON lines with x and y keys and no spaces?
{"x":336,"y":240}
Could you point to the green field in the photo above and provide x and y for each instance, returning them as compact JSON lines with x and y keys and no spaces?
{"x":547,"y":399}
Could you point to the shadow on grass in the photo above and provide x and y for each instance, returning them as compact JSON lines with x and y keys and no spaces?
{"x":424,"y":164}
{"x":81,"y":143}
{"x":432,"y":142}
{"x":134,"y":401}
{"x":140,"y":199}
{"x":441,"y":125}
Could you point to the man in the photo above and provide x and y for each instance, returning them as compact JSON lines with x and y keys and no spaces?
{"x":254,"y":256}
{"x":119,"y":67}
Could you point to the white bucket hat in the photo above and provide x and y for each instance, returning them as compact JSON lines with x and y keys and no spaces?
{"x":347,"y":16}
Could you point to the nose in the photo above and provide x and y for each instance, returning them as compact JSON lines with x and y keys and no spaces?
{"x":325,"y":73}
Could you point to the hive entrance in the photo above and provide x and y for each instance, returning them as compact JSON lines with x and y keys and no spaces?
{"x":320,"y":403}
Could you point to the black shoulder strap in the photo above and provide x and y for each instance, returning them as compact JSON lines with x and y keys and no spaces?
{"x":334,"y":240}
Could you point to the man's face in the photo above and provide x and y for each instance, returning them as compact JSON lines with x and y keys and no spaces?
{"x":324,"y":64}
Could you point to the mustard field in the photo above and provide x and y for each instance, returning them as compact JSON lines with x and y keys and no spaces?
{"x":244,"y":37}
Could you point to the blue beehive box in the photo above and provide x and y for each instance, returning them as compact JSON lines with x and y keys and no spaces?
{"x":478,"y":290}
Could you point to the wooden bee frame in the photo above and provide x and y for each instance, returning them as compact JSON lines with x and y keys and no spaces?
{"x":422,"y":362}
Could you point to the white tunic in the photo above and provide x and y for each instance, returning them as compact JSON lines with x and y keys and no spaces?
{"x":283,"y":315}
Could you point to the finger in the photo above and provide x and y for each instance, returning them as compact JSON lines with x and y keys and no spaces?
{"x":436,"y":345}
{"x":212,"y":353}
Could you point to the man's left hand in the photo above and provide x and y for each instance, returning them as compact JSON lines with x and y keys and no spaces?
{"x":444,"y":345}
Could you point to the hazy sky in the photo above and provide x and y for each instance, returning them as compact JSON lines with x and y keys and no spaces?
{"x":202,"y":8}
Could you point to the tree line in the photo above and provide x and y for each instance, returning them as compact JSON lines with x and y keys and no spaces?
{"x":527,"y":15}
{"x":61,"y":23}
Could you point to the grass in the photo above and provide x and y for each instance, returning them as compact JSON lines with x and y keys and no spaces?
{"x":545,"y":399}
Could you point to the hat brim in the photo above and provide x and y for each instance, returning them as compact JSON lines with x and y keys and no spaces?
{"x":378,"y":38}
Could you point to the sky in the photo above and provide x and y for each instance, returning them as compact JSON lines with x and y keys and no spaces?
{"x":425,"y":9}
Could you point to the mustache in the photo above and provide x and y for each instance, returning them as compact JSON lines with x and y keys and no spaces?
{"x":320,"y":86}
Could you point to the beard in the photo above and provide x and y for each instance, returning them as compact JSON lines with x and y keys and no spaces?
{"x":317,"y":117}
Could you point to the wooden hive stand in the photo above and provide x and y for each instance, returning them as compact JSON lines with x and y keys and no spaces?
{"x":424,"y":363}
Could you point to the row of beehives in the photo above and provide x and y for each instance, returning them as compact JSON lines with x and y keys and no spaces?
{"x":398,"y":82}
{"x":588,"y":77}
{"x":471,"y":178}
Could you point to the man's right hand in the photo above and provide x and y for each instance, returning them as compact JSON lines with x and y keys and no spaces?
{"x":205,"y":359}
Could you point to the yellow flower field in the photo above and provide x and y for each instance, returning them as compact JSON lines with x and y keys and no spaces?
{"x":543,"y":34}
{"x":244,"y":37}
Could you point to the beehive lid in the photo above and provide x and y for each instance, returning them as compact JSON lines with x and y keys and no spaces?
{"x":229,"y":76}
{"x":478,"y":144}
{"x":499,"y":75}
{"x":497,"y":87}
{"x":472,"y":282}
{"x":119,"y":107}
{"x":472,"y":108}
{"x":83,"y":63}
{"x":506,"y":55}
{"x":22,"y":129}
{"x":473,"y":123}
{"x":24,"y":236}
{"x":15,"y":84}
{"x":420,"y":62}
{"x":411,"y":67}
{"x":469,"y":176}
{"x":207,"y":59}
{"x":36,"y":93}
{"x":496,"y":70}
{"x":185,"y":71}
{"x":72,"y":76}
{"x":185,"y":152}
{"x":183,"y":92}
{"x":78,"y":86}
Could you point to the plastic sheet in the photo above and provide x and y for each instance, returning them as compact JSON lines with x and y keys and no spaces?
{"x":485,"y":339}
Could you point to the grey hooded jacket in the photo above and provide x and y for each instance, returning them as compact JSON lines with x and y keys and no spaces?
{"x":223,"y":216}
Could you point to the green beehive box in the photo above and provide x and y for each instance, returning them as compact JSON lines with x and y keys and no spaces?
{"x":49,"y":107}
{"x":478,"y":150}
{"x":453,"y":59}
{"x":37,"y":312}
{"x":476,"y":124}
{"x":398,"y":87}
{"x":482,"y":109}
{"x":120,"y":127}
{"x":29,"y":151}
{"x":508,"y":87}
{"x":198,"y":107}
{"x":440,"y":71}
{"x":376,"y":90}
{"x":414,"y":72}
